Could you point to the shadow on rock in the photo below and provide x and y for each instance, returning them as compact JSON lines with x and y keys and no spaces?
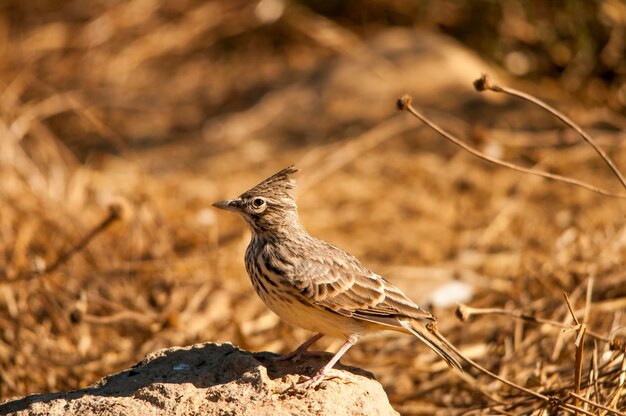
{"x":213,"y":378}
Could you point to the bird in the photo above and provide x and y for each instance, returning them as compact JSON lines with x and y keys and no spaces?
{"x":317,"y":286}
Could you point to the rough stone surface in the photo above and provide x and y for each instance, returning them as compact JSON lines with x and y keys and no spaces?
{"x":214,"y":379}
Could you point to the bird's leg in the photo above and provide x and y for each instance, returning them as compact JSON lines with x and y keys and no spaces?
{"x":327,"y":369}
{"x":297,"y":354}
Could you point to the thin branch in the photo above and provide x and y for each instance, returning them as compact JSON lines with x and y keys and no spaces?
{"x":580,"y":345}
{"x":404,"y":103}
{"x":593,"y":381}
{"x":483,"y":84}
{"x":598,"y":405}
{"x":464,"y":312}
{"x":570,"y":308}
{"x":578,"y":370}
{"x":551,"y":400}
{"x":337,"y":156}
{"x":115,"y":213}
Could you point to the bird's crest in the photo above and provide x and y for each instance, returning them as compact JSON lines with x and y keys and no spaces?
{"x":279,"y":185}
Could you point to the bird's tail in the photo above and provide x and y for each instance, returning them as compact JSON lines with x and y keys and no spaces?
{"x":433,"y":341}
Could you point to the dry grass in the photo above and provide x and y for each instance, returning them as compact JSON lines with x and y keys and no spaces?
{"x":157,"y":110}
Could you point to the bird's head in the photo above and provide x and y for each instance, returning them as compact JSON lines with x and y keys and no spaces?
{"x":269,"y":207}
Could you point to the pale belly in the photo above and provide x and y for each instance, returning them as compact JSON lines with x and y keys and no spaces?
{"x":314,"y":319}
{"x":288,"y":306}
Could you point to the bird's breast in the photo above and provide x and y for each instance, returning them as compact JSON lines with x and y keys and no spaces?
{"x":278,"y":292}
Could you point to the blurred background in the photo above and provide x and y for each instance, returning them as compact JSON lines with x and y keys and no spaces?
{"x":157,"y":108}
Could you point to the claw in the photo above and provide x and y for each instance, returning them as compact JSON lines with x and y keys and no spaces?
{"x":312,"y":382}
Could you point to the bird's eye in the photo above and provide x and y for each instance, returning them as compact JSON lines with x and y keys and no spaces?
{"x":258,"y":202}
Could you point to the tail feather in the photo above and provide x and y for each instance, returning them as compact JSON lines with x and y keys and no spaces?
{"x":435,"y":344}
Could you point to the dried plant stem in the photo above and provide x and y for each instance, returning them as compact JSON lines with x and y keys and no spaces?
{"x":483,"y":83}
{"x":598,"y":405}
{"x":580,"y":345}
{"x":615,"y":395}
{"x":113,"y":215}
{"x":594,"y":373}
{"x":570,"y":308}
{"x":346,"y":151}
{"x":464,"y":312}
{"x":404,"y":103}
{"x":580,"y":348}
{"x":552,"y":400}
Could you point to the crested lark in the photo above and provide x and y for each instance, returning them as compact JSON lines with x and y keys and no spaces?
{"x":316,"y":285}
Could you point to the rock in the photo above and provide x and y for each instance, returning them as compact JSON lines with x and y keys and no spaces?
{"x":214,"y":379}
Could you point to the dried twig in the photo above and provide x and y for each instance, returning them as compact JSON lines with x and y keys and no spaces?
{"x":615,"y":395}
{"x":598,"y":405}
{"x":552,"y":400}
{"x":346,"y":151}
{"x":404,"y":103}
{"x":483,"y":84}
{"x":464,"y":312}
{"x":578,"y":366}
{"x":115,"y":213}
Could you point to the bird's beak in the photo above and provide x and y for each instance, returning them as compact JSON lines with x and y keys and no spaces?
{"x":228,"y":205}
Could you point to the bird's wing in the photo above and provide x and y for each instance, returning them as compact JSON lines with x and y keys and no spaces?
{"x":337,"y":281}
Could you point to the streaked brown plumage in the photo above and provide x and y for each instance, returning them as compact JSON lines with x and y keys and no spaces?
{"x":316,"y":285}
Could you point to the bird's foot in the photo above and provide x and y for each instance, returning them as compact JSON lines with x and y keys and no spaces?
{"x":312,"y":382}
